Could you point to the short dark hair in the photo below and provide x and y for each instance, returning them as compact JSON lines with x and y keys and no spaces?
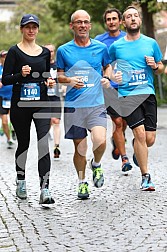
{"x":110,"y":11}
{"x":127,"y":8}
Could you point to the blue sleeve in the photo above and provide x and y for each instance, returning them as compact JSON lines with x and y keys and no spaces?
{"x":97,"y":37}
{"x":60,"y":59}
{"x":112,"y":52}
{"x":106,"y":57}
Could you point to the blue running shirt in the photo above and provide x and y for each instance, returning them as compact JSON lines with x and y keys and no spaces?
{"x":108,"y":40}
{"x":129,"y":56}
{"x":86,"y":62}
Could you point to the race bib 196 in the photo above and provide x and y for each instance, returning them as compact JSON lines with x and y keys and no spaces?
{"x":85,"y":77}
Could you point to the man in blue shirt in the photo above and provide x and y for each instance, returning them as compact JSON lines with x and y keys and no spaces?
{"x":79,"y":64}
{"x":137,"y":57}
{"x":113,"y":20}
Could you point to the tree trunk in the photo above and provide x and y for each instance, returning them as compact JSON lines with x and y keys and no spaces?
{"x":147,"y":21}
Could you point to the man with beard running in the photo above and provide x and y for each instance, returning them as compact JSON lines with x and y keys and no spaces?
{"x":138,"y":57}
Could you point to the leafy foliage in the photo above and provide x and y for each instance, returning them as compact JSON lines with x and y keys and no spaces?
{"x":62,"y":10}
{"x":55,"y":16}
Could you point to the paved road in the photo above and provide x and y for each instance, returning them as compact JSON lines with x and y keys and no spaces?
{"x":116,"y":218}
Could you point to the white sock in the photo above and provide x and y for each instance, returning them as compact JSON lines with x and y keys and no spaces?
{"x":82,"y":181}
{"x":95,"y":164}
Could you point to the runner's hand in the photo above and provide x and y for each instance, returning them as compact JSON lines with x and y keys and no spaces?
{"x":151,"y":62}
{"x":76,"y":82}
{"x":50,"y":82}
{"x":25,"y":70}
{"x":118,"y":77}
{"x":105,"y":82}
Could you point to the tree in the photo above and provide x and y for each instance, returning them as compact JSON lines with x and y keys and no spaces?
{"x":50,"y":30}
{"x":55,"y":16}
{"x":62,"y":10}
{"x":148,"y":9}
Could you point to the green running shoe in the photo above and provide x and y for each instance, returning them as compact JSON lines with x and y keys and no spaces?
{"x":98,"y":177}
{"x":83,"y":191}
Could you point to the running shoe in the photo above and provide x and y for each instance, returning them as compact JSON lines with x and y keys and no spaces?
{"x":57,"y":152}
{"x":115,"y":151}
{"x":12,"y":132}
{"x":45,"y":197}
{"x":10,"y":144}
{"x":13,"y":135}
{"x":21,"y":191}
{"x":146,"y":184}
{"x":83,"y":191}
{"x":1,"y":131}
{"x":134,"y":156}
{"x":98,"y":177}
{"x":126,"y":165}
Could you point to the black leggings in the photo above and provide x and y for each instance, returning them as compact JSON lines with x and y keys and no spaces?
{"x":21,"y":119}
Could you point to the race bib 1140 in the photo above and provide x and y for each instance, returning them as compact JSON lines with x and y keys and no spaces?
{"x":30,"y":91}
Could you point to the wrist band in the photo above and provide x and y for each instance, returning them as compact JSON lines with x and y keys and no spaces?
{"x":154,"y":69}
{"x":106,"y":77}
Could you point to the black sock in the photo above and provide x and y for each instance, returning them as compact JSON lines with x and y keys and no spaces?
{"x":145,"y":174}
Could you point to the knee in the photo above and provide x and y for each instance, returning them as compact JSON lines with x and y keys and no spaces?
{"x":139,"y":134}
{"x":118,"y":123}
{"x":99,"y":139}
